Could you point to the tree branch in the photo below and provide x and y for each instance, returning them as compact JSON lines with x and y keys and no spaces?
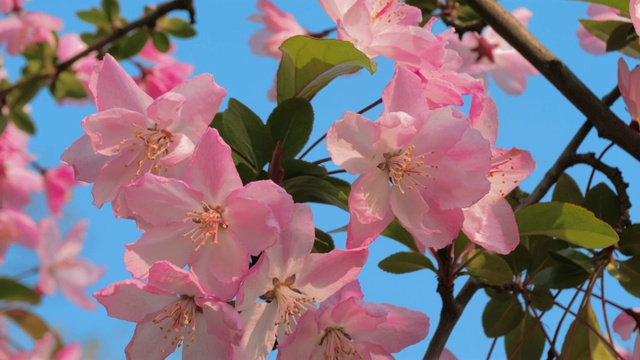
{"x":147,"y":20}
{"x":452,"y":309}
{"x":563,"y":163}
{"x":609,"y":126}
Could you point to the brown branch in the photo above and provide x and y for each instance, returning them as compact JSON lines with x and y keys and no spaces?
{"x":609,"y":126}
{"x":452,"y":309}
{"x":562,"y":163}
{"x":147,"y":20}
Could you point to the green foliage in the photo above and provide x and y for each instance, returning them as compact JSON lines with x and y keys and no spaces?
{"x":604,"y":203}
{"x":246,"y":134}
{"x":567,"y":190}
{"x":526,"y":341}
{"x":94,"y":16}
{"x":567,"y":222}
{"x":291,"y":123}
{"x":560,"y":276}
{"x":13,"y":290}
{"x":541,"y":299}
{"x":323,"y":242}
{"x":489,"y":268}
{"x":501,"y":315}
{"x":32,"y":324}
{"x":314,"y":189}
{"x":160,"y":41}
{"x":396,"y":232}
{"x":111,"y":8}
{"x":604,"y":30}
{"x":584,"y":338}
{"x":295,"y":167}
{"x":405,"y":262}
{"x":630,"y":240}
{"x":630,"y":275}
{"x":130,"y":45}
{"x":622,"y":5}
{"x":177,"y":27}
{"x":309,"y":64}
{"x":67,"y":85}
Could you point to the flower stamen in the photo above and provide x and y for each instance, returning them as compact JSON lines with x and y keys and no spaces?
{"x":208,"y":221}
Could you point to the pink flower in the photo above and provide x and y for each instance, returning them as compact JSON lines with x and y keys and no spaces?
{"x":69,"y":45}
{"x":290,"y":280}
{"x":389,"y":28}
{"x":59,"y":266}
{"x":208,"y":221}
{"x":634,"y":14}
{"x":133,"y":134}
{"x":629,"y":84}
{"x":422,"y":168}
{"x":279,"y":26}
{"x":589,"y":42}
{"x":57,"y":186}
{"x":490,"y":222}
{"x":11,"y":5}
{"x":490,"y":54}
{"x":346,"y":327}
{"x":160,"y":78}
{"x":17,"y":182}
{"x":16,"y":227}
{"x":23,"y":28}
{"x":625,"y":325}
{"x":173,"y":310}
{"x":45,"y":348}
{"x":151,"y":54}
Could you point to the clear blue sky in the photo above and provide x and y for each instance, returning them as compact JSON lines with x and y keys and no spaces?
{"x":541,"y":121}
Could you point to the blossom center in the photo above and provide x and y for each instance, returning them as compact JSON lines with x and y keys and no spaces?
{"x":387,"y":11}
{"x":484,"y":49}
{"x":178,"y":320}
{"x":291,"y":302}
{"x":404,"y":168}
{"x":208,"y":221}
{"x":338,"y":344}
{"x":149,"y":146}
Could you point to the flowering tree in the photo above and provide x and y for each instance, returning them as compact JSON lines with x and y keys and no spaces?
{"x":231,"y":263}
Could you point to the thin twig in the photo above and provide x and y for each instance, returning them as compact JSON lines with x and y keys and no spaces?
{"x":593,"y":171}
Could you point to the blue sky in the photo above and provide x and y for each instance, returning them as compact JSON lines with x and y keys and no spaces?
{"x":541,"y":121}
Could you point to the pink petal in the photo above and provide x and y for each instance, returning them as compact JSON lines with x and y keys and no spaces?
{"x":491,"y":224}
{"x":114,"y":130}
{"x":259,"y":331}
{"x":483,"y":116}
{"x":324,"y":274}
{"x":404,"y":93}
{"x":624,"y":325}
{"x":350,"y":142}
{"x":212,"y":170}
{"x":86,"y":164}
{"x":112,"y":87}
{"x":206,"y":346}
{"x":173,"y":279}
{"x":508,"y":169}
{"x":133,"y":300}
{"x":223,"y":321}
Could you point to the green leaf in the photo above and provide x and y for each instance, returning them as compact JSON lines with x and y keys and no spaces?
{"x":93,"y":16}
{"x":519,"y":259}
{"x":396,"y":232}
{"x":542,"y":299}
{"x":247,"y":135}
{"x":621,"y":36}
{"x":582,"y":340}
{"x":111,"y":9}
{"x":630,"y":240}
{"x":295,"y":167}
{"x":342,"y":185}
{"x":603,"y":202}
{"x":574,"y":257}
{"x":540,"y":246}
{"x":622,"y":5}
{"x":313,"y":189}
{"x":309,"y":64}
{"x":291,"y":123}
{"x":567,"y":190}
{"x":461,"y":244}
{"x":560,"y":276}
{"x":131,"y":45}
{"x":22,"y":120}
{"x":501,"y":315}
{"x":630,"y":271}
{"x":489,"y":268}
{"x":527,"y":339}
{"x":323,"y":242}
{"x":603,"y":29}
{"x":406,"y":262}
{"x":567,"y":222}
{"x":13,"y":290}
{"x":177,"y":27}
{"x":160,"y":41}
{"x":4,"y":121}
{"x":67,"y":85}
{"x":32,"y":324}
